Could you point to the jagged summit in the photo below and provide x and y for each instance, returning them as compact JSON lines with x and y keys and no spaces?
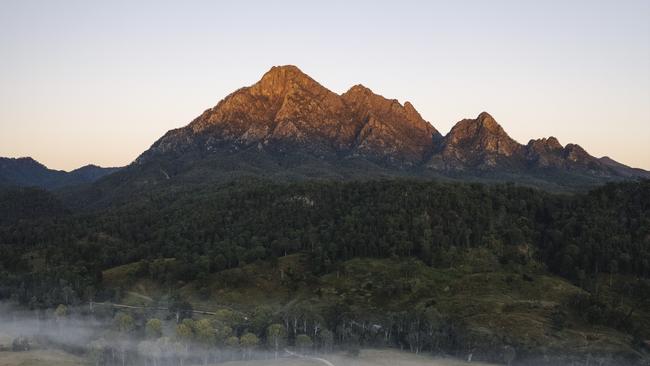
{"x":285,"y":70}
{"x":486,"y":120}
{"x":289,"y":114}
{"x":389,"y":128}
{"x":359,"y":89}
{"x":480,"y":143}
{"x":281,"y":80}
{"x":545,"y":145}
{"x":288,"y":110}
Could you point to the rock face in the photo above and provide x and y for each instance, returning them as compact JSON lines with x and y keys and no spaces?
{"x":287,"y":112}
{"x":545,"y":152}
{"x":476,"y":143}
{"x":285,"y":106}
{"x":389,"y":129}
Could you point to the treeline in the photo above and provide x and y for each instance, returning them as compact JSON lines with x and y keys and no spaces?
{"x":176,"y":337}
{"x":58,"y":257}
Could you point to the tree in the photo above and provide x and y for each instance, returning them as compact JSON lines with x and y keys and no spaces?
{"x":304,"y":343}
{"x":205,"y":335}
{"x":248,"y":342}
{"x":184,"y":333}
{"x":61,"y":311}
{"x":176,"y":349}
{"x":613,"y":269}
{"x":164,"y":346}
{"x":146,"y":350}
{"x":60,"y":314}
{"x":97,"y":351}
{"x":125,"y":325}
{"x":325,"y":340}
{"x":232,"y":343}
{"x":262,"y":317}
{"x":190,"y":323}
{"x":509,"y":354}
{"x":227,"y":317}
{"x":153,"y":328}
{"x":181,"y":310}
{"x":276,"y":337}
{"x":221,"y":334}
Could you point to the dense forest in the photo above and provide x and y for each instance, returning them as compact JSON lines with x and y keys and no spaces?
{"x":50,"y":255}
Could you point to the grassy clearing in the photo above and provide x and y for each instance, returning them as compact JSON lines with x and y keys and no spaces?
{"x":40,"y":358}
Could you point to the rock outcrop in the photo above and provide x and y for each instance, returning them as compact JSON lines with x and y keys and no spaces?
{"x":479,"y":143}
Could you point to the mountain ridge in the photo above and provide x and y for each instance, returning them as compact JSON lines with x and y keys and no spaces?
{"x":27,"y":172}
{"x":288,"y":113}
{"x":287,"y":126}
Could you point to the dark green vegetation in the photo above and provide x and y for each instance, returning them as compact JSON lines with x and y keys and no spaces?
{"x":456,"y":268}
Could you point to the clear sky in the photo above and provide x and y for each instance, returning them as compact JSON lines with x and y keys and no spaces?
{"x":99,"y":81}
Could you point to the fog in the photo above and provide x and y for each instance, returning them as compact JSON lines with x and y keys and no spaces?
{"x":71,"y":331}
{"x":111,"y":337}
{"x":93,"y":336}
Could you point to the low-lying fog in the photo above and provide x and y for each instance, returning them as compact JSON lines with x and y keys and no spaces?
{"x":100,"y":336}
{"x":74,"y":336}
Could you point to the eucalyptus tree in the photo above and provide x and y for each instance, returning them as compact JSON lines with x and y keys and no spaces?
{"x":276,"y":337}
{"x":248,"y":342}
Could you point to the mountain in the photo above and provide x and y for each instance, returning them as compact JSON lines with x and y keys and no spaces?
{"x":288,"y":111}
{"x":479,"y":143}
{"x":288,"y":126}
{"x":27,"y":172}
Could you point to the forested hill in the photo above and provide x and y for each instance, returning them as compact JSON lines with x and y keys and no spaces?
{"x":491,"y":260}
{"x":211,"y":229}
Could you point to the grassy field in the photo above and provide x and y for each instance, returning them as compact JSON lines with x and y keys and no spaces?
{"x":365,"y":358}
{"x":369,"y":357}
{"x":40,"y":358}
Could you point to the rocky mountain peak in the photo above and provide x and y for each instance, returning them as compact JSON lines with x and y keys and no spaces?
{"x":575,"y":153}
{"x":288,"y":112}
{"x":359,"y":89}
{"x":280,"y":80}
{"x":545,"y":152}
{"x":389,"y":128}
{"x":484,"y":128}
{"x":479,"y":142}
{"x":545,"y":145}
{"x":553,"y":143}
{"x":411,"y":113}
{"x":486,"y":121}
{"x":285,"y":104}
{"x":366,"y":103}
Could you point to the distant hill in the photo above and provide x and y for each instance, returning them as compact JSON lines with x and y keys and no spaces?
{"x":27,"y":172}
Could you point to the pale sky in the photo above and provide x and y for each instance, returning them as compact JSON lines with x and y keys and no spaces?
{"x":99,"y":81}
